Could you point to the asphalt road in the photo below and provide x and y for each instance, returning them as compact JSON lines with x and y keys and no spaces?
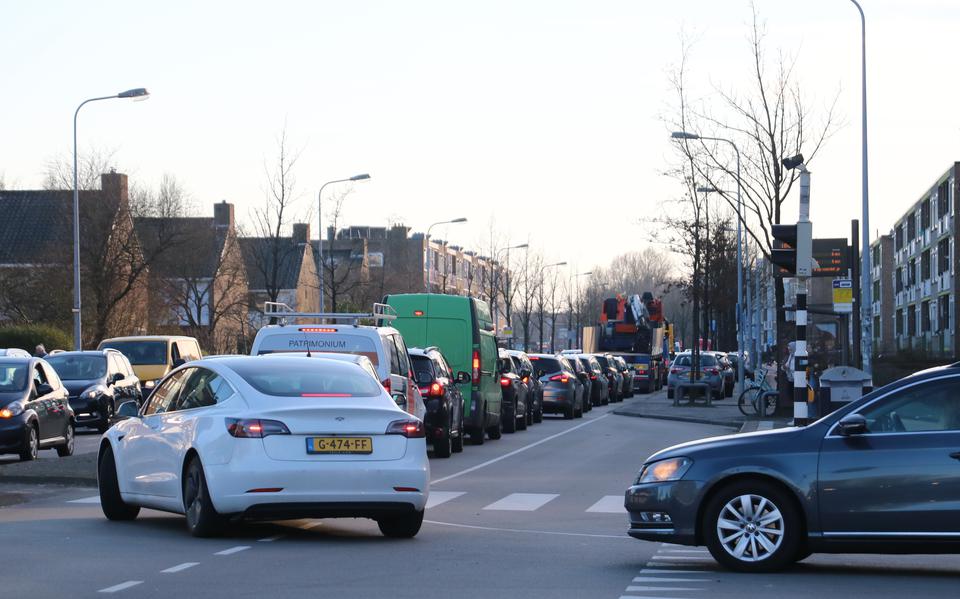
{"x":87,"y":440}
{"x":536,"y":514}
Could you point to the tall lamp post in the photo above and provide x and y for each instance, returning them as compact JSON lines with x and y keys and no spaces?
{"x":576,"y":298}
{"x":507,"y":298}
{"x":866,"y":290}
{"x":137,"y":93}
{"x":686,"y":135}
{"x":360,"y":177}
{"x":553,"y":302}
{"x":426,"y":284}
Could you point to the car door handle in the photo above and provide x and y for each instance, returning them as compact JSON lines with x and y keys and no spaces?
{"x":955,"y":455}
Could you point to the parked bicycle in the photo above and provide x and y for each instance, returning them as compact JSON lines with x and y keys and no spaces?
{"x":759,"y":398}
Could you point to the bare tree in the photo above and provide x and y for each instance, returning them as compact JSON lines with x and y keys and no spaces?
{"x":91,"y":163}
{"x":529,"y":285}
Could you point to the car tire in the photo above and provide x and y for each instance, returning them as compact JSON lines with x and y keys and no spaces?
{"x":509,"y":421}
{"x":759,"y":551}
{"x":538,"y":415}
{"x":31,"y":444}
{"x":457,"y":443}
{"x":568,"y":413}
{"x":112,"y":504}
{"x":477,"y":437}
{"x":526,"y":419}
{"x":495,"y":432}
{"x":65,"y":449}
{"x":104,"y":422}
{"x":578,"y":412}
{"x":669,"y":392}
{"x":401,"y":527}
{"x":443,"y":446}
{"x":202,"y":518}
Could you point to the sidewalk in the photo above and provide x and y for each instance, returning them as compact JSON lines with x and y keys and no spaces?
{"x":722,"y":413}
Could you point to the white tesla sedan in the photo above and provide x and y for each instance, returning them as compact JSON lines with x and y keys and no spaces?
{"x":267,"y":438}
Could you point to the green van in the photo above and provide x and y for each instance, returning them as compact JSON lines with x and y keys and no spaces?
{"x":461,"y":327}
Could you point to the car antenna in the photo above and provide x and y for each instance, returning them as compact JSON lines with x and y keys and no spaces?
{"x":306,"y":341}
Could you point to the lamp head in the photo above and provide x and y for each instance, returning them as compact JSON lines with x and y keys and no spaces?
{"x":459,"y":220}
{"x":360,"y":177}
{"x":793,"y":162}
{"x":139,"y":93}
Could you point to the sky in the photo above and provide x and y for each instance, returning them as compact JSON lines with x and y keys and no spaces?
{"x":541,"y":121}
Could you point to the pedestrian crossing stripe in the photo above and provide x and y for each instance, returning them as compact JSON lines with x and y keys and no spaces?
{"x":609,"y":504}
{"x":522,"y":502}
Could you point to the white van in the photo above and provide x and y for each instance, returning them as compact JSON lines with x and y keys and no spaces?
{"x":382,"y":345}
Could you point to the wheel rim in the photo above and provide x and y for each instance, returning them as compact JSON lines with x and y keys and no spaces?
{"x":70,"y":438}
{"x":193,"y":493}
{"x":34,"y":443}
{"x":750,"y":528}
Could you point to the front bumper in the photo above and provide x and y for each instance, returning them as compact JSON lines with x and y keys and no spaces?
{"x":12,"y":433}
{"x":648,"y":503}
{"x":89,"y":410}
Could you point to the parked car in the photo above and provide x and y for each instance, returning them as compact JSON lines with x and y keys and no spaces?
{"x":383,"y":345}
{"x":879,"y":475}
{"x":613,"y":376}
{"x":444,"y":402}
{"x":534,"y":387}
{"x":600,"y":385}
{"x":747,"y":366}
{"x":463,"y":330}
{"x":314,"y":438}
{"x":35,"y":411}
{"x":98,"y":381}
{"x":626,"y":375}
{"x":153,"y":356}
{"x":583,"y":375}
{"x":515,"y":398}
{"x":709,"y":373}
{"x":562,"y":391}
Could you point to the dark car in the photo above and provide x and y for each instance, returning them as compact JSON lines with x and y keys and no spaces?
{"x":442,"y":399}
{"x":626,"y":376}
{"x":534,"y":388}
{"x":562,"y":390}
{"x":583,"y":375}
{"x":643,"y":370}
{"x":35,"y":412}
{"x":613,"y":376}
{"x":880,"y":475}
{"x":98,"y":382}
{"x":600,"y":389}
{"x":514,"y":395}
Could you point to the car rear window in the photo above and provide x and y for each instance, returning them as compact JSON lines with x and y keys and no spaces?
{"x":636,"y":359}
{"x":547,"y":365}
{"x":303,"y":378}
{"x":13,"y":377}
{"x":301,"y":342}
{"x":705,"y":360}
{"x":602,"y":360}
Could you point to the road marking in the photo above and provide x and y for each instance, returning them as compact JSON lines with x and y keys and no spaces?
{"x":309,"y":525}
{"x":121,"y":586}
{"x":522,"y":502}
{"x":520,"y":530}
{"x":270,"y":539}
{"x":635,"y":589}
{"x":179,"y":567}
{"x":516,"y":451}
{"x":93,"y":499}
{"x":233,"y":550}
{"x":696,"y":551}
{"x":657,"y":579}
{"x":610,"y":504}
{"x":438,"y":497}
{"x":649,"y":570}
{"x":678,"y":557}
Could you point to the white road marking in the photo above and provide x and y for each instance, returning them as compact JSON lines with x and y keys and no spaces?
{"x":668,"y":571}
{"x":658,"y":579}
{"x":270,"y":539}
{"x":636,"y":589}
{"x":438,"y":497}
{"x":679,"y":557}
{"x":516,"y":451}
{"x":696,"y":551}
{"x":93,"y":499}
{"x":179,"y":567}
{"x":643,"y":597}
{"x":309,"y":525}
{"x":120,"y":587}
{"x":522,"y":502}
{"x":520,"y":530}
{"x":610,"y":504}
{"x":233,"y":550}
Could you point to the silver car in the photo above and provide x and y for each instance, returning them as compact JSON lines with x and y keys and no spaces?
{"x":711,"y":372}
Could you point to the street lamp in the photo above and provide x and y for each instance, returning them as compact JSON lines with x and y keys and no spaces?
{"x":694,"y":136}
{"x":426,"y":283}
{"x":866,"y":291}
{"x":360,"y":177}
{"x":137,"y":93}
{"x":553,"y":305}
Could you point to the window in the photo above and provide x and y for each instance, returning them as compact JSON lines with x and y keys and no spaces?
{"x":943,"y":256}
{"x":436,"y":260}
{"x":925,"y":214}
{"x":898,"y":279}
{"x":929,"y":406}
{"x":925,"y":317}
{"x":943,"y":199}
{"x":203,"y":388}
{"x":453,"y":265}
{"x":876,"y":255}
{"x":188,"y":350}
{"x":943,"y":312}
{"x":876,"y":291}
{"x":899,"y":236}
{"x":912,"y":273}
{"x":925,"y":265}
{"x":316,"y":379}
{"x":78,"y":367}
{"x":912,"y":226}
{"x":899,"y":321}
{"x":876,"y":327}
{"x":912,"y":320}
{"x":402,"y":355}
{"x":13,"y":377}
{"x":164,"y":397}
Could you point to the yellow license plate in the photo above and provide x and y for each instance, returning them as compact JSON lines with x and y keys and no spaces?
{"x":339,"y":445}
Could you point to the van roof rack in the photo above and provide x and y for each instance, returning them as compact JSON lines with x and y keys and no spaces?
{"x":381,"y":313}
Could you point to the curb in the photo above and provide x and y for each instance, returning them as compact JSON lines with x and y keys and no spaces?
{"x":692,"y":419}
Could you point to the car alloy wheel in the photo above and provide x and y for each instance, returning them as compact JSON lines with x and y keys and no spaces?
{"x":66,"y":449}
{"x":750,"y":528}
{"x":31,"y":445}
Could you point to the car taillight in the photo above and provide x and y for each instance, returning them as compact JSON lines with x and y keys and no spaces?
{"x":526,"y":379}
{"x":476,"y":367}
{"x":436,"y":390}
{"x":712,"y":371}
{"x":504,"y":381}
{"x":386,"y":384}
{"x":560,"y":377}
{"x":674,"y":371}
{"x":593,"y":377}
{"x":252,"y":428}
{"x":411,"y":429}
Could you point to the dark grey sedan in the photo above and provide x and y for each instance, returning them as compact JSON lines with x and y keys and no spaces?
{"x":881,"y":475}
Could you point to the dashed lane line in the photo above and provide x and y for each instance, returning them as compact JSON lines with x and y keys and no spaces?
{"x":121,"y":587}
{"x":522,"y":502}
{"x":643,"y":579}
{"x":233,"y":550}
{"x":179,"y":567}
{"x":92,"y":499}
{"x":645,"y":589}
{"x":438,"y":497}
{"x":270,"y":539}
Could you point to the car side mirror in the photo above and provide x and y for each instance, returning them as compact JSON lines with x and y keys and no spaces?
{"x":464,"y":377}
{"x":179,"y":362}
{"x":117,"y":377}
{"x":401,"y":400}
{"x":852,"y":424}
{"x":128,"y":409}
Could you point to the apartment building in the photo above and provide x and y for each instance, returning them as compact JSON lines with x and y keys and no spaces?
{"x":881,"y":277}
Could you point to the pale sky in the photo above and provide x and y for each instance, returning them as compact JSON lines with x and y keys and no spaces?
{"x":544,"y":115}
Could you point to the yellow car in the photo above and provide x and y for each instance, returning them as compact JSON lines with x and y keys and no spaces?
{"x":153,"y":356}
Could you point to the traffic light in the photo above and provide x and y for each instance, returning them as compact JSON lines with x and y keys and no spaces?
{"x":795,"y":254}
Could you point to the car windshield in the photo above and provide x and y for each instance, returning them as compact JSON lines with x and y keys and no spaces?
{"x":636,"y":359}
{"x":72,"y":367}
{"x":13,"y":377}
{"x":140,"y":353}
{"x":303,"y":378}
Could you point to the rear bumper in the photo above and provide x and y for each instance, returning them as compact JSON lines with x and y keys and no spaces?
{"x":331,"y":509}
{"x":557,"y":401}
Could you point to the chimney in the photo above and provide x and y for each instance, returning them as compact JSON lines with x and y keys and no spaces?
{"x":301,"y":233}
{"x":223,"y":215}
{"x":113,"y":186}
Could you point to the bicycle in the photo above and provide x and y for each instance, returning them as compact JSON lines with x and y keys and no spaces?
{"x":761,"y":397}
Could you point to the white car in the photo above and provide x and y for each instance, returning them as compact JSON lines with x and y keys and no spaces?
{"x":267,"y":438}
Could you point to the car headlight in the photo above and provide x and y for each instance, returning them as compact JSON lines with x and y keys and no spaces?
{"x":664,"y":470}
{"x":93,"y":392}
{"x":149,"y":384}
{"x":11,"y":410}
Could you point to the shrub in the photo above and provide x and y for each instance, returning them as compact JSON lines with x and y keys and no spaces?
{"x":28,"y":336}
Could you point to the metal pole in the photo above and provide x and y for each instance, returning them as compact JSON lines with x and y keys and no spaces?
{"x":866,"y":290}
{"x":800,"y":408}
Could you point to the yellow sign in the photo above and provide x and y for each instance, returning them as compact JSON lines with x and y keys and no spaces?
{"x":842,"y":295}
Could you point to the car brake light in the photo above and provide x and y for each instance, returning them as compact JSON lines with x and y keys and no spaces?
{"x":252,"y":428}
{"x":593,"y":377}
{"x":476,"y":367}
{"x":325,"y":395}
{"x":526,"y":379}
{"x":504,"y":381}
{"x":386,"y":384}
{"x":674,"y":371}
{"x":411,"y":429}
{"x":436,"y":390}
{"x":317,"y":330}
{"x":712,"y":371}
{"x":418,"y":312}
{"x":560,"y":377}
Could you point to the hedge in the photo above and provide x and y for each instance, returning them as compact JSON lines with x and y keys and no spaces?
{"x":28,"y":336}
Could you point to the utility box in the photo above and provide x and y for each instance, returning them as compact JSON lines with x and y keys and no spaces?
{"x":840,"y":385}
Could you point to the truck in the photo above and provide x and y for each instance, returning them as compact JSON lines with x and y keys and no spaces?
{"x":632,"y":327}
